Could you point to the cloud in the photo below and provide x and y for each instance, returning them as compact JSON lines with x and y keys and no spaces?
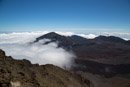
{"x":39,"y":53}
{"x":20,"y":38}
{"x":89,"y":36}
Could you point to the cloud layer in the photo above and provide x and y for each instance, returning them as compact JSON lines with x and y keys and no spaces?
{"x":18,"y":46}
{"x":25,"y":37}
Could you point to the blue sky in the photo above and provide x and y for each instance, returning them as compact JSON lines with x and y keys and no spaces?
{"x":75,"y":15}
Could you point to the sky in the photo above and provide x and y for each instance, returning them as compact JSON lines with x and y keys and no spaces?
{"x":65,"y":15}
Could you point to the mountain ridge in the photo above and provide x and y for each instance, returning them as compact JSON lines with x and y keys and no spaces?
{"x":101,"y":47}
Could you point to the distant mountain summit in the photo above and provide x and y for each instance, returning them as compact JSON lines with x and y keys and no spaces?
{"x":63,"y":41}
{"x":54,"y":37}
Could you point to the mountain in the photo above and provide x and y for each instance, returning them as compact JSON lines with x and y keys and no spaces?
{"x":75,"y":39}
{"x":105,"y":55}
{"x":21,"y":73}
{"x":104,"y":49}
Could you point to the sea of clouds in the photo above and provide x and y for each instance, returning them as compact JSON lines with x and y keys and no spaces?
{"x":18,"y":46}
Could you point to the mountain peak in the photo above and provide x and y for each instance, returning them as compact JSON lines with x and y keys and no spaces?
{"x":51,"y":35}
{"x":63,"y":41}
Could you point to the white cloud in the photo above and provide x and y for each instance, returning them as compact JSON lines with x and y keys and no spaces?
{"x":89,"y":36}
{"x":39,"y":53}
{"x":20,"y":38}
{"x":65,"y":33}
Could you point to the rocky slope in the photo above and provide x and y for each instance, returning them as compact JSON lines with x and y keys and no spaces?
{"x":21,"y":73}
{"x":106,"y":70}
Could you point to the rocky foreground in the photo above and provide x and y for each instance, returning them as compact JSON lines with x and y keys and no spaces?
{"x":21,"y":73}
